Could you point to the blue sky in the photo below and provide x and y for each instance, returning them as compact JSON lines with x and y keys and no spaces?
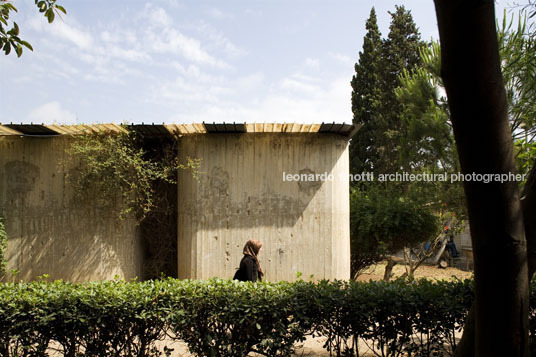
{"x":184,"y":61}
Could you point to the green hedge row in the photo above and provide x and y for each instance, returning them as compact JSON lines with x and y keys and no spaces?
{"x":230,"y":318}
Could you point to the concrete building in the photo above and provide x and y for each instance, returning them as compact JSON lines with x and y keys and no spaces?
{"x":283,"y":184}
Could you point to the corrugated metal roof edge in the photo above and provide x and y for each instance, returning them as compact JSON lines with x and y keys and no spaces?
{"x":177,"y":130}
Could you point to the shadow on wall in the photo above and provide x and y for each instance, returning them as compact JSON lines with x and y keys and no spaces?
{"x":50,"y":234}
{"x":71,"y":244}
{"x":242,"y":185}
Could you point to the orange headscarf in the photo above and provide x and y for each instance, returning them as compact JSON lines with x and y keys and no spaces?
{"x":252,"y":248}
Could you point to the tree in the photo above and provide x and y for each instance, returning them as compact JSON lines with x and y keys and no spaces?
{"x":429,"y":143}
{"x":374,"y":104}
{"x":376,"y":148}
{"x":471,"y":72}
{"x":517,"y":47}
{"x":400,"y":51}
{"x":9,"y":37}
{"x":429,"y":137}
{"x":366,"y":98}
{"x":382,"y":222}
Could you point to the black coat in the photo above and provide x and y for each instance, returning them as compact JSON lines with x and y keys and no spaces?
{"x":249,"y":269}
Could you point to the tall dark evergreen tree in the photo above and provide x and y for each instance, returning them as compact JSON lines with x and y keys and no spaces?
{"x":366,"y":97}
{"x":374,"y":103}
{"x":400,"y":52}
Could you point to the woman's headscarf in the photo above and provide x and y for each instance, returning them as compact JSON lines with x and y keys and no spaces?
{"x":252,"y":248}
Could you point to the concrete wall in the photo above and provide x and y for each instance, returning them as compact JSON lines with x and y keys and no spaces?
{"x":241,"y":195}
{"x":464,"y":247}
{"x":47,"y":232}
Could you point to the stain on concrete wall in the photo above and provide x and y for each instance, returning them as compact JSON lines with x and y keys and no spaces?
{"x":48,"y":232}
{"x":241,"y":195}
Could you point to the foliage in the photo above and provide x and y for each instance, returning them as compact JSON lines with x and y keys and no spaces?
{"x":517,"y":48}
{"x":230,"y":318}
{"x":115,"y":171}
{"x":373,"y":101}
{"x":378,"y":146}
{"x":429,"y":141}
{"x":9,"y":38}
{"x":3,"y":247}
{"x":233,"y":318}
{"x":392,"y":318}
{"x":384,"y":222}
{"x":428,"y":145}
{"x":366,"y":98}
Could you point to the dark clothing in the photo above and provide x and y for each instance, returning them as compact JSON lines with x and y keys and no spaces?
{"x":451,"y":248}
{"x":249,"y":269}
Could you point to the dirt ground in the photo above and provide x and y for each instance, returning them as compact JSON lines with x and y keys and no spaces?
{"x":375,"y":272}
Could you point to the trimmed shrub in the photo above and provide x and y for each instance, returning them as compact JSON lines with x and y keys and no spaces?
{"x":230,"y":318}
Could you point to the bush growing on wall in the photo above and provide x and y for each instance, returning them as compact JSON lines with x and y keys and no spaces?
{"x":115,"y":165}
{"x":134,"y":177}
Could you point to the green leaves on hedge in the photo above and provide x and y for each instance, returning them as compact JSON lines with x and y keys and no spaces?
{"x":230,"y":318}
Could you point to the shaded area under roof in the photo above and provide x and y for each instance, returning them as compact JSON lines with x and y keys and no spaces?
{"x":177,"y":130}
{"x":32,"y":129}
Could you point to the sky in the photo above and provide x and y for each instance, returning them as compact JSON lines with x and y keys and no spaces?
{"x":192,"y":61}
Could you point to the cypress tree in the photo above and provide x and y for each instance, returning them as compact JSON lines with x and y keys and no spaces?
{"x":374,"y":104}
{"x":400,"y":51}
{"x":366,"y":97}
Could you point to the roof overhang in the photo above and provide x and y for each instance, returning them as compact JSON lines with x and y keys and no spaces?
{"x":177,"y":130}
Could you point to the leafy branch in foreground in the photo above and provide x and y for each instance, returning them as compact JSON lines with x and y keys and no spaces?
{"x":9,"y":37}
{"x":115,"y":171}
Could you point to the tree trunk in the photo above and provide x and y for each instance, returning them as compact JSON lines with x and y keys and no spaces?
{"x":470,"y":68}
{"x":528,"y":203}
{"x":389,"y":269}
{"x":466,"y":346}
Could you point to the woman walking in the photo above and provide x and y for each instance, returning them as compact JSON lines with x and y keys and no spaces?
{"x":250,"y":268}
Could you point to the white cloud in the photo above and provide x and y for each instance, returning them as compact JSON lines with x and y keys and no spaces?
{"x":193,"y":89}
{"x":291,"y":84}
{"x":116,"y":35}
{"x":173,"y":41}
{"x":50,"y":113}
{"x":219,"y":15}
{"x":218,"y":42}
{"x":300,"y":83}
{"x":67,"y":29}
{"x":312,"y":63}
{"x":341,"y":58}
{"x":126,"y":54}
{"x":158,"y":16}
{"x":330,"y":103}
{"x":162,"y":37}
{"x":250,"y":82}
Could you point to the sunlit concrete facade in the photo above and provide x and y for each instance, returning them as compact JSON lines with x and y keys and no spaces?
{"x":242,"y":194}
{"x":49,"y":233}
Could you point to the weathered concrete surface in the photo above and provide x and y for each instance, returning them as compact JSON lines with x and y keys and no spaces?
{"x":241,"y":195}
{"x":47,"y":232}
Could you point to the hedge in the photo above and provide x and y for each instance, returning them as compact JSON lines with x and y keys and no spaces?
{"x":230,"y":318}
